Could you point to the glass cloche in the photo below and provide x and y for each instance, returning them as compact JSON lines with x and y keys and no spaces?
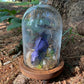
{"x":42,"y":33}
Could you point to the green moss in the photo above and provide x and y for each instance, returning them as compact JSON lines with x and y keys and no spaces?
{"x":50,"y":54}
{"x":39,"y":66}
{"x":41,"y":63}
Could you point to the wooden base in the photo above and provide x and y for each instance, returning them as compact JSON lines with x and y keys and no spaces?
{"x":40,"y":74}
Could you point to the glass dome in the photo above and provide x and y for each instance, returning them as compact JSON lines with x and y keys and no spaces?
{"x":42,"y":33}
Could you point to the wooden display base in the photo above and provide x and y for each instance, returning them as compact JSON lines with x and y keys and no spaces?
{"x":40,"y":74}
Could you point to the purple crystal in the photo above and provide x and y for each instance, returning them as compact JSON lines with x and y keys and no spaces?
{"x":41,"y":46}
{"x":34,"y":55}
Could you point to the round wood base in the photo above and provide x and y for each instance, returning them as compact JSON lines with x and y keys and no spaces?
{"x":40,"y":74}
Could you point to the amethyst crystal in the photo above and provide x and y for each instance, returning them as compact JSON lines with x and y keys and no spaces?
{"x":41,"y":46}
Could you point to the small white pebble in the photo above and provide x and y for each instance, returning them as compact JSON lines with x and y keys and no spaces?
{"x":49,"y":49}
{"x":44,"y":62}
{"x":54,"y":57}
